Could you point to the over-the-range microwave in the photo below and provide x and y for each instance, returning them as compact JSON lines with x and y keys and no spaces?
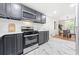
{"x":28,"y":15}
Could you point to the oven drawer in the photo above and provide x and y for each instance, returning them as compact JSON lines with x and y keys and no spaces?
{"x":26,"y":50}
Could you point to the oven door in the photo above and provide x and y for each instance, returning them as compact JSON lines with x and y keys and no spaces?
{"x":30,"y":40}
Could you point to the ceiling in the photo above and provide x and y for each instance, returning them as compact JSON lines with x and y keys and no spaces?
{"x":55,"y":10}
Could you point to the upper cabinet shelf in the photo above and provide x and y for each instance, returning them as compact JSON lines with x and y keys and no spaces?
{"x":19,"y":11}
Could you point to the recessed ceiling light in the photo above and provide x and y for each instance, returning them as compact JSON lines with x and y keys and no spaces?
{"x":55,"y":12}
{"x":72,"y":5}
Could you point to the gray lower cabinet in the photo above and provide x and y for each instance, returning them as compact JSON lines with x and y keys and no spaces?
{"x":14,"y":10}
{"x":46,"y":36}
{"x":13,"y":44}
{"x":19,"y":44}
{"x":10,"y":44}
{"x":43,"y":37}
{"x":2,"y":10}
{"x":1,"y":46}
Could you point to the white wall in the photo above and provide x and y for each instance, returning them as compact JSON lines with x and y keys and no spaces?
{"x":49,"y":25}
{"x":4,"y":25}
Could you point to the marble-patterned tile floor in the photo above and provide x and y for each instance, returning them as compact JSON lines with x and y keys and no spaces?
{"x":55,"y":46}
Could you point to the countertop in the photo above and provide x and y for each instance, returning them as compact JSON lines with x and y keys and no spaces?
{"x":2,"y":34}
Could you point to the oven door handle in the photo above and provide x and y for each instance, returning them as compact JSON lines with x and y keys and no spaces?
{"x":30,"y":35}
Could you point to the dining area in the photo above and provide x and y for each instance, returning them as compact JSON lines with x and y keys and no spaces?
{"x":66,"y":30}
{"x":65,"y":34}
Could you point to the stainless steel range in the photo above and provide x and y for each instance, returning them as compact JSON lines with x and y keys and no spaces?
{"x":30,"y":39}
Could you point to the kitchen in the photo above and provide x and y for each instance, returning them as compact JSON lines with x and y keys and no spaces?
{"x":24,"y":29}
{"x":16,"y":33}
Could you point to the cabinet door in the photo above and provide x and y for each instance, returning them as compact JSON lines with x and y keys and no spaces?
{"x":16,"y":11}
{"x":9,"y":45}
{"x":43,"y":19}
{"x":1,"y":46}
{"x":8,"y":10}
{"x":19,"y":44}
{"x":38,"y":17}
{"x":2,"y":10}
{"x":13,"y":10}
{"x":13,"y":44}
{"x":41,"y":37}
{"x":46,"y":36}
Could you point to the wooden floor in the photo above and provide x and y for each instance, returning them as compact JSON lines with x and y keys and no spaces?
{"x":73,"y":38}
{"x":55,"y":46}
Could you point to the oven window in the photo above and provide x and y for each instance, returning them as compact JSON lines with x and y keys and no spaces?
{"x":30,"y":39}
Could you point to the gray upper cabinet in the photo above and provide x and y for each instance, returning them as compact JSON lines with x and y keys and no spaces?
{"x":8,"y":10}
{"x":43,"y":19}
{"x":2,"y":10}
{"x":33,"y":15}
{"x":28,"y":13}
{"x":40,"y":18}
{"x":21,"y":12}
{"x":25,"y":8}
{"x":14,"y":11}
